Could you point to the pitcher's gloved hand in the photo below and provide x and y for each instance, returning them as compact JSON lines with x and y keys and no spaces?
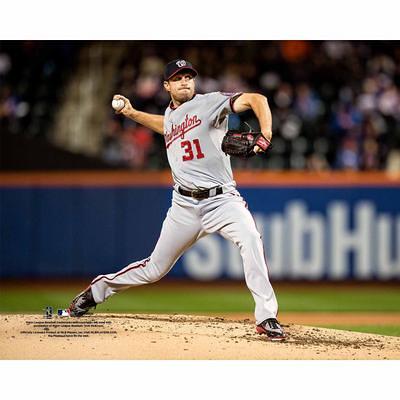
{"x":244,"y":144}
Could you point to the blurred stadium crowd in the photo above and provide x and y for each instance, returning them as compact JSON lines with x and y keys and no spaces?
{"x":31,"y":74}
{"x":335,"y":104}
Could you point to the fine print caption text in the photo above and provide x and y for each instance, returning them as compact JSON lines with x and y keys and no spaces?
{"x":68,"y":328}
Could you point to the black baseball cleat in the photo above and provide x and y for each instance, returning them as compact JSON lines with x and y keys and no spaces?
{"x":272,"y":328}
{"x":82,"y":303}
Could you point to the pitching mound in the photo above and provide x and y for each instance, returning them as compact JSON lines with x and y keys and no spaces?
{"x":161,"y":337}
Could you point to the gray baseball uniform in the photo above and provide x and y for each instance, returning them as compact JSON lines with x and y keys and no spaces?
{"x":193,"y":134}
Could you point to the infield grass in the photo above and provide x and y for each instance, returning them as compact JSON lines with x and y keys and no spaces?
{"x":389,"y":330}
{"x":210,"y":298}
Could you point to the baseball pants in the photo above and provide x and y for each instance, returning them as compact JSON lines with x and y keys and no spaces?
{"x":187,"y":221}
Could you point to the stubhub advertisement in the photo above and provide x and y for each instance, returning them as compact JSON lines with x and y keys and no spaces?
{"x":318,"y":233}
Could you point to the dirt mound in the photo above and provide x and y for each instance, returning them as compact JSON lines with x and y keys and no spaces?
{"x":161,"y":337}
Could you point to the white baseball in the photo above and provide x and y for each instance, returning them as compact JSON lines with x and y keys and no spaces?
{"x":118,"y":105}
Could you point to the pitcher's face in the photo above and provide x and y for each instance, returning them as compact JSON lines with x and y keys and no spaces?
{"x":180,"y":87}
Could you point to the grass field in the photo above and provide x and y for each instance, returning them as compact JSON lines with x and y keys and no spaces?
{"x":203,"y":298}
{"x":391,"y":330}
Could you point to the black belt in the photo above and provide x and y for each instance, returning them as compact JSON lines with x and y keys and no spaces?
{"x":201,"y":194}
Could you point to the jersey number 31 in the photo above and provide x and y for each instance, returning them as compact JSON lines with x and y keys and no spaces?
{"x":189,"y":154}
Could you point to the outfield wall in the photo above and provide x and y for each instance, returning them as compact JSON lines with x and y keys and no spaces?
{"x":332,"y":226}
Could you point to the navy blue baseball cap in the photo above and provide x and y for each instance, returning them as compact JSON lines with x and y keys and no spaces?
{"x":173,"y":67}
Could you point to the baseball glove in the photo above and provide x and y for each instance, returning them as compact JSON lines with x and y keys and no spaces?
{"x":241,"y":144}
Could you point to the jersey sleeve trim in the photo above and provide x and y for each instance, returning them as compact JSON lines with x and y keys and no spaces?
{"x":233,"y":99}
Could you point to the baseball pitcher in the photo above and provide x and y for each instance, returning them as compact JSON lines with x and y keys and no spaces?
{"x":204,"y":198}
